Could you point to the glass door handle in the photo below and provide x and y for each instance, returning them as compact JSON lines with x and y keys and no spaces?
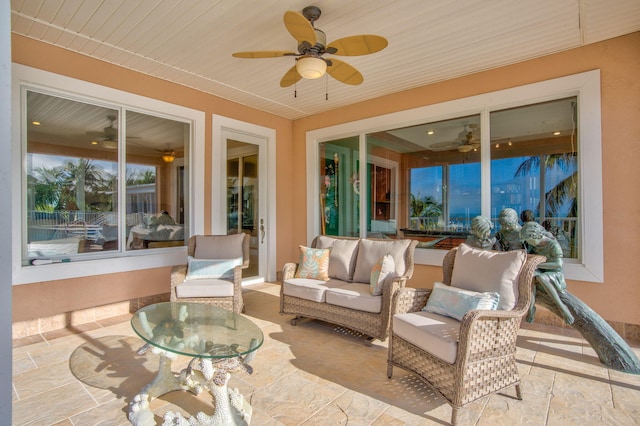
{"x":262,"y":231}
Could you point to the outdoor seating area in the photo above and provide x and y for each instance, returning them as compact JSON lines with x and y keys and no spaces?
{"x":339,"y":288}
{"x":412,"y":213}
{"x":316,"y":374}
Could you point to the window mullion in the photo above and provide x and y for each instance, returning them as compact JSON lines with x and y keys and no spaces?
{"x":485,"y":163}
{"x":364,"y":183}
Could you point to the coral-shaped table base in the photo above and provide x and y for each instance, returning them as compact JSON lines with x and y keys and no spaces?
{"x":230,"y":406}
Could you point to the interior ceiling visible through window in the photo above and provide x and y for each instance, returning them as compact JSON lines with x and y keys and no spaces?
{"x":71,"y":123}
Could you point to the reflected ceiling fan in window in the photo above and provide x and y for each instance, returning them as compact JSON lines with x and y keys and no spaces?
{"x":467,"y":140}
{"x":108,"y":137}
{"x":312,"y":46}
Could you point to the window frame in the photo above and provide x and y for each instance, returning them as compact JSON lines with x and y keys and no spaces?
{"x":585,"y":86}
{"x":24,"y":77}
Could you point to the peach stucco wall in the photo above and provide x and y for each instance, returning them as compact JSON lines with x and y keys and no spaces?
{"x":618,"y":59}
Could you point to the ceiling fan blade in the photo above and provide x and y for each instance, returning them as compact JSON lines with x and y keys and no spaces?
{"x":358,"y":45}
{"x":299,"y":27}
{"x":444,"y":146}
{"x":344,"y":72}
{"x":290,"y":78}
{"x":264,"y":54}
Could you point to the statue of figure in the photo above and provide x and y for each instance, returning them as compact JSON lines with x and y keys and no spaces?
{"x":508,"y":237}
{"x":527,"y":216}
{"x":481,"y":233}
{"x":549,"y":275}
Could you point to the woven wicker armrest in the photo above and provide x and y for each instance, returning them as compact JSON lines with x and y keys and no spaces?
{"x":178,"y":274}
{"x":409,"y":300}
{"x":487,"y":334}
{"x":391,"y":286}
{"x":289,"y":271}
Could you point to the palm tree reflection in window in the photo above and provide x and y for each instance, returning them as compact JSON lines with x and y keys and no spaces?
{"x":561,"y":200}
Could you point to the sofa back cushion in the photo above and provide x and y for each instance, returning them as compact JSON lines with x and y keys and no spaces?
{"x":342,"y":260}
{"x":370,"y":251}
{"x":219,"y":246}
{"x":489,"y":271}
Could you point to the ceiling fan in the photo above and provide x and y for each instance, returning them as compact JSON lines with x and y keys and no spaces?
{"x":108,"y":137}
{"x":312,"y":45}
{"x":467,"y":140}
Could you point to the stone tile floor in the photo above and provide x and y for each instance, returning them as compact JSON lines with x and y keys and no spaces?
{"x":311,"y":374}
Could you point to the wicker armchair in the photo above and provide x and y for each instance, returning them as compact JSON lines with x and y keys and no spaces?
{"x":222,"y":292}
{"x":485,"y":349}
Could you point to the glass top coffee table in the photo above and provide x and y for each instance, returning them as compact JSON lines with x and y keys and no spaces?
{"x":219,"y":341}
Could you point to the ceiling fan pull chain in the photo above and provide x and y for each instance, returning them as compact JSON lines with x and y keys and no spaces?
{"x":326,"y":87}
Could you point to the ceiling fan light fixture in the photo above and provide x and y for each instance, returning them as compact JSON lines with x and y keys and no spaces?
{"x":109,"y":144}
{"x":311,"y":67}
{"x":465,"y":148}
{"x":168,"y":156}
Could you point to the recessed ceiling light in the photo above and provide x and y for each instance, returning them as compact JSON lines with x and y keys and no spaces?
{"x":430,"y":132}
{"x":556,"y":133}
{"x":94,"y":142}
{"x":35,"y":123}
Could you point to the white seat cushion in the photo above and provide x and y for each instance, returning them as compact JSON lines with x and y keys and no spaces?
{"x":431,"y":332}
{"x":355,"y":296}
{"x":309,"y":288}
{"x":211,"y":287}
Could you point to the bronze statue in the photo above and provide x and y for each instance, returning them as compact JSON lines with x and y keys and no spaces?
{"x":527,"y":216}
{"x":549,"y":275}
{"x":480,"y":236}
{"x":508,"y":237}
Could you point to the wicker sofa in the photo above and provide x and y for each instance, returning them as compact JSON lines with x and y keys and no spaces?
{"x":345,"y":299}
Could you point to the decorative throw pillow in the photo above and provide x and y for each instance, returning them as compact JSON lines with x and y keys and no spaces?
{"x":486,"y":270}
{"x":382,"y":269}
{"x":198,"y":269}
{"x":455,"y":302}
{"x":314,"y":263}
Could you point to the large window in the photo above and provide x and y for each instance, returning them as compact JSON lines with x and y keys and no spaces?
{"x":104,"y":176}
{"x":525,"y":149}
{"x":74,"y":184}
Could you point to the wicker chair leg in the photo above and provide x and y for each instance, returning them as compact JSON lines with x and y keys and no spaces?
{"x":454,"y":415}
{"x":518,"y":392}
{"x":294,"y":321}
{"x":389,"y":370}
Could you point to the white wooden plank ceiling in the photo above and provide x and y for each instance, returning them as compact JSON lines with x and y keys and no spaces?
{"x":190,"y":42}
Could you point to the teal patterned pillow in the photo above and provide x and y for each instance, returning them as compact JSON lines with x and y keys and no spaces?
{"x":382,"y":269}
{"x":314,"y":263}
{"x":199,"y":269}
{"x":455,"y":302}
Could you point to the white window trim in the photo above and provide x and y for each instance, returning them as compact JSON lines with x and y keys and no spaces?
{"x":586,"y":86}
{"x":266,"y":138}
{"x":127,"y":261}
